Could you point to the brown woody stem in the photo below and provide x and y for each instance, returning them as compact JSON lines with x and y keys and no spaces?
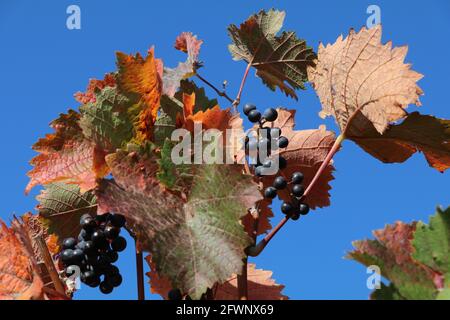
{"x":219,"y":92}
{"x":259,"y":247}
{"x":242,"y":283}
{"x":140,"y":275}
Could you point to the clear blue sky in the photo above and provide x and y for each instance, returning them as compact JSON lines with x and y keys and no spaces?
{"x":42,"y":64}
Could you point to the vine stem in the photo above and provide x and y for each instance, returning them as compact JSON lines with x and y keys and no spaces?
{"x":259,"y":247}
{"x":241,"y":87}
{"x":242,"y":282}
{"x":219,"y":92}
{"x":140,"y":274}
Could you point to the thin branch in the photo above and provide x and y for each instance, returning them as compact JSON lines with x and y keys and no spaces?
{"x":259,"y":247}
{"x":219,"y":92}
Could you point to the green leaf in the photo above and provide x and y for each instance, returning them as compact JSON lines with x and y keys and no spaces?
{"x":444,"y":294}
{"x":432,"y":243}
{"x":195,"y":240}
{"x":391,"y":251}
{"x":386,"y":293}
{"x":280,"y":60}
{"x":61,"y":206}
{"x":107,"y":121}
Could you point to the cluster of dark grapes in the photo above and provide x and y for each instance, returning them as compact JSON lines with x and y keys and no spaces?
{"x":270,"y":139}
{"x":95,"y":251}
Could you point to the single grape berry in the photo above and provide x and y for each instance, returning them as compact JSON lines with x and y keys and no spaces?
{"x":88,"y":276}
{"x":280,"y":183}
{"x":286,"y":208}
{"x":295,"y":215}
{"x":248,"y":107}
{"x":84,"y":216}
{"x":106,"y":287}
{"x":283,"y":142}
{"x":297,"y":178}
{"x":88,"y":223}
{"x":119,"y":244}
{"x":282,"y":163}
{"x":99,"y":239}
{"x":275,"y":132}
{"x":270,"y":193}
{"x":95,"y":282}
{"x":113,"y":256}
{"x":254,"y":116}
{"x":270,"y":114}
{"x":87,"y":247}
{"x":175,"y":294}
{"x":298,"y":190}
{"x":115,"y":279}
{"x":67,"y":257}
{"x":78,"y":256}
{"x":111,"y":270}
{"x":117,"y":220}
{"x":303,"y":209}
{"x":69,"y":243}
{"x":101,"y":218}
{"x":111,"y":232}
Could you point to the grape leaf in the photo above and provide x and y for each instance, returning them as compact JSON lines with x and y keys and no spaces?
{"x":61,"y":207}
{"x":189,"y":44}
{"x":19,"y":279}
{"x":391,"y":251}
{"x":106,"y":121}
{"x":359,"y":77}
{"x":432,"y":243}
{"x":66,"y":156}
{"x":305,"y":153}
{"x":172,"y":108}
{"x":281,"y":61}
{"x":260,"y":284}
{"x":93,"y":86}
{"x":417,"y":132}
{"x":389,"y":292}
{"x":195,"y":241}
{"x":139,"y":75}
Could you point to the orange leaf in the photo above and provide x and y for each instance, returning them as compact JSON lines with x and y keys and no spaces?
{"x":141,"y":76}
{"x":214,"y":118}
{"x":18,"y":278}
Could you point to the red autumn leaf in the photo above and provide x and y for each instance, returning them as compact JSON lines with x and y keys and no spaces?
{"x":66,"y":156}
{"x":94,"y":84}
